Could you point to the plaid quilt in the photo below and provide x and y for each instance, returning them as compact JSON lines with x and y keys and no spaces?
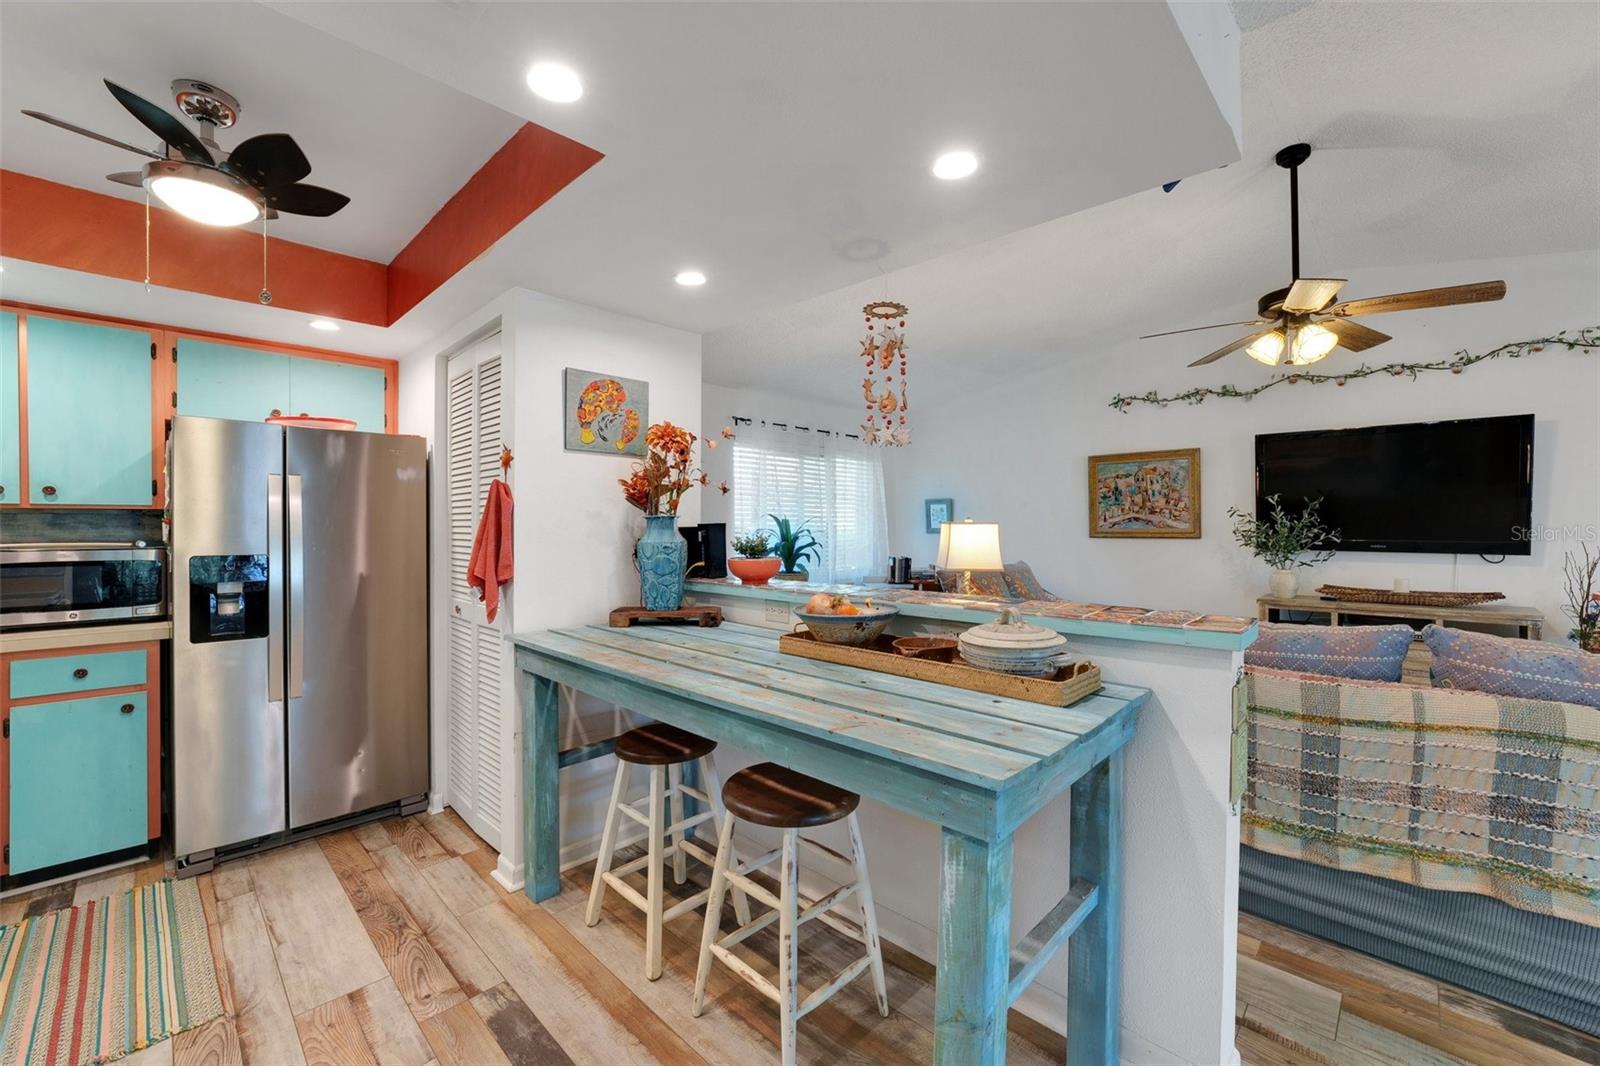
{"x":1441,"y":788}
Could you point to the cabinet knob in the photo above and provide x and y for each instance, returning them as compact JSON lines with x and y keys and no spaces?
{"x":81,"y":672}
{"x":127,"y":708}
{"x":49,"y":490}
{"x":2,"y":490}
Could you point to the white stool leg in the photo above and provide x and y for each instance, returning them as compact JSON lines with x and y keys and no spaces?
{"x":869,"y":916}
{"x":656,"y":890}
{"x":608,"y":846}
{"x":680,"y":863}
{"x":789,"y":946}
{"x":713,"y":923}
{"x":713,"y":786}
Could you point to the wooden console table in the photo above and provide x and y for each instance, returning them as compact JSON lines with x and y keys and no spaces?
{"x":977,"y":765}
{"x":1527,"y":620}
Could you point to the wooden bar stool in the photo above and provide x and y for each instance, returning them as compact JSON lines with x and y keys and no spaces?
{"x":770,"y":795}
{"x":665,"y":750}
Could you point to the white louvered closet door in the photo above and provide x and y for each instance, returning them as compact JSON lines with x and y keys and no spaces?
{"x":479,"y":737}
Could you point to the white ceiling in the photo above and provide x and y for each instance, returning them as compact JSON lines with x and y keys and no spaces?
{"x":1442,"y":133}
{"x":397,"y":144}
{"x":781,"y":148}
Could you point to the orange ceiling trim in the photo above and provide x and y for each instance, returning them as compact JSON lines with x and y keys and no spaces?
{"x":44,"y":221}
{"x":522,"y":176}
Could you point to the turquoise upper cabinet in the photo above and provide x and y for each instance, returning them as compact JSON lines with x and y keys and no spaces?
{"x":223,"y":381}
{"x":340,"y":390}
{"x":248,"y":384}
{"x":89,"y":414}
{"x":10,"y":413}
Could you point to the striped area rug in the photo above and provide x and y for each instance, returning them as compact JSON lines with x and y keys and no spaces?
{"x":95,"y":982}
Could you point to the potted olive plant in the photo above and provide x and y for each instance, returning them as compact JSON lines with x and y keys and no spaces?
{"x":755,"y":564}
{"x":793,"y":544}
{"x":1285,"y":541}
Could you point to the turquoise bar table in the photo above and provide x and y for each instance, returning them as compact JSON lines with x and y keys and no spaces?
{"x":978,"y":765}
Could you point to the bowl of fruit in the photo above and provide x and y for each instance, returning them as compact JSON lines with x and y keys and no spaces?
{"x":833,"y":619}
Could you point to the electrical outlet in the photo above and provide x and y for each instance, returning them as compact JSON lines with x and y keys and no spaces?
{"x":777,"y":611}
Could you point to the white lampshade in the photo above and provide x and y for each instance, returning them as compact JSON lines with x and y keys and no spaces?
{"x":969,"y":545}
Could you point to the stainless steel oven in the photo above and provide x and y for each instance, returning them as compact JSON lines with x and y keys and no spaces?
{"x":67,"y":584}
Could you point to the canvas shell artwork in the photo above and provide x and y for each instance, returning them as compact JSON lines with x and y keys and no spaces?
{"x":1145,"y":494}
{"x":605,"y":413}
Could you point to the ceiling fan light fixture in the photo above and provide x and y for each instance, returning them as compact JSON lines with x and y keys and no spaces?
{"x":1267,"y":349}
{"x":555,"y":82}
{"x":1312,"y":342}
{"x":201,"y":194}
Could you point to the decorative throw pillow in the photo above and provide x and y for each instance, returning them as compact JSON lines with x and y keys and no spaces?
{"x":1362,"y":653}
{"x":1510,"y":666}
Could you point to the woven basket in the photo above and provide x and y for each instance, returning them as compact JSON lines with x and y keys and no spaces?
{"x":1408,"y":599}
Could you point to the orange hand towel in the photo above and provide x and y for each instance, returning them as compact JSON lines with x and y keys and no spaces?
{"x":490,"y":565}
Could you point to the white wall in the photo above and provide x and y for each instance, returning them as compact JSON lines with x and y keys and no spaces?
{"x":1016,"y":453}
{"x":573,"y":532}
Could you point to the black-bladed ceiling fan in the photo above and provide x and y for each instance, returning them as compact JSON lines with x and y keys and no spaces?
{"x":199,"y":179}
{"x":1301,"y":324}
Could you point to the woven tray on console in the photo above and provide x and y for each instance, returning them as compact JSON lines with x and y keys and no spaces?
{"x":1408,"y":599}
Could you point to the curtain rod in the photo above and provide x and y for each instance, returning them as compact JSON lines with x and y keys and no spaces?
{"x":740,"y":420}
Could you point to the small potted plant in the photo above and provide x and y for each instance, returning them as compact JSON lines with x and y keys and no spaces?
{"x":755,"y":564}
{"x":793,"y":544}
{"x":1285,"y":541}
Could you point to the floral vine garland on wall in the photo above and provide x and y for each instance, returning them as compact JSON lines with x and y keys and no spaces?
{"x":1586,"y":339}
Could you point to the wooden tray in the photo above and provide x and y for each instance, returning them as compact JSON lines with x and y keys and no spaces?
{"x":1069,"y":685}
{"x":623,"y":617}
{"x":1355,"y":594}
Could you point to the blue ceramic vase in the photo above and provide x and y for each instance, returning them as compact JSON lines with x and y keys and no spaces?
{"x":661,"y":554}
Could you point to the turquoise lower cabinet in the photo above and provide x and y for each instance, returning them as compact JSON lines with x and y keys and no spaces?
{"x":89,"y":414}
{"x":10,"y":412}
{"x":78,"y":779}
{"x":226,"y":381}
{"x":248,"y":384}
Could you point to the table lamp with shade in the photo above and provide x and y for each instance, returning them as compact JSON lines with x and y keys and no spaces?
{"x":967,"y":546}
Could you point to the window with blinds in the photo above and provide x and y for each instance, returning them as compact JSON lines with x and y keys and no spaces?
{"x":834,"y":486}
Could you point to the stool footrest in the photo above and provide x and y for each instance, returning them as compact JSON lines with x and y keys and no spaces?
{"x":820,"y":996}
{"x":754,"y":890}
{"x":746,"y":971}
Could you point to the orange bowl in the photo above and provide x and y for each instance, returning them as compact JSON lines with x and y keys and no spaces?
{"x":755,"y":571}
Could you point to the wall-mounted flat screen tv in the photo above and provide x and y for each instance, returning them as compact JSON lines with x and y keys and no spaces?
{"x":1460,"y":487}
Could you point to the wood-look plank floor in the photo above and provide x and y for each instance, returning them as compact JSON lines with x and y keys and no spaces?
{"x":391,"y":944}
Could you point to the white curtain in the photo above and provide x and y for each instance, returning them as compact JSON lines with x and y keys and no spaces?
{"x":832,"y":483}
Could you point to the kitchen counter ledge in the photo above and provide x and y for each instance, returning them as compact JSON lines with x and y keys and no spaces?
{"x":83,"y":636}
{"x":1142,"y":625}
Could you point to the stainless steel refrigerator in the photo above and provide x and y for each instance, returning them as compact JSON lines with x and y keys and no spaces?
{"x":300,"y":631}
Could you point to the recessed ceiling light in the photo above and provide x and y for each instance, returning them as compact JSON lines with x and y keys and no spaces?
{"x":325,"y":325}
{"x":554,"y":82}
{"x":954,"y":165}
{"x":690,"y":278}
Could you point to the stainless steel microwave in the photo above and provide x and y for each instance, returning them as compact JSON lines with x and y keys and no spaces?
{"x":63,"y":585}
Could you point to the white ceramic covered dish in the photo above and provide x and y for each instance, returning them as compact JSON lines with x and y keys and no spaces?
{"x":1013,"y":646}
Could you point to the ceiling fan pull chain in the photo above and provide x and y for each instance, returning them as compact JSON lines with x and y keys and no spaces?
{"x":147,"y":240}
{"x":265,"y":295}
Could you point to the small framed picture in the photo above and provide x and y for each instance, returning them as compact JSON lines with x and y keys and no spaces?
{"x":1145,"y":494}
{"x":604,"y":413}
{"x":938,"y":512}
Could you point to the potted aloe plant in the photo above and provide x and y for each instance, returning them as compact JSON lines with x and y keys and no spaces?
{"x":755,"y":564}
{"x":1285,"y":541}
{"x":793,"y":544}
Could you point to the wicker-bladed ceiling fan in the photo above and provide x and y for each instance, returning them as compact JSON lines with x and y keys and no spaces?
{"x":198,"y":178}
{"x":1301,"y":324}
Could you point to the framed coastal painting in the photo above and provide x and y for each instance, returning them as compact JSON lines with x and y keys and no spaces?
{"x":937,"y":512}
{"x":604,"y":413}
{"x":1145,"y":494}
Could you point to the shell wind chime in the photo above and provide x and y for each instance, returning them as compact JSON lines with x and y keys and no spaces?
{"x":884,"y":353}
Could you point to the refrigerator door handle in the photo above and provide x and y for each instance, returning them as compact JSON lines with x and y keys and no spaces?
{"x":274,"y":588}
{"x":297,"y":587}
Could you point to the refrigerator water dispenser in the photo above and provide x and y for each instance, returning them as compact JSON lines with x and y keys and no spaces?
{"x":227,"y":598}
